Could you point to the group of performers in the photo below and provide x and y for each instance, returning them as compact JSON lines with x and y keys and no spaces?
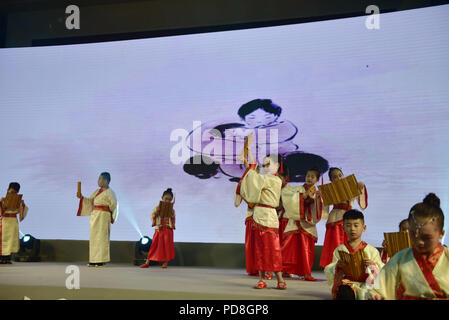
{"x":281,"y":234}
{"x":101,"y":206}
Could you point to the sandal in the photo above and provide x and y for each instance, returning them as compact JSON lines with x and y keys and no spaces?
{"x":268,"y":275}
{"x":260,"y":285}
{"x":164,"y":265}
{"x":309,"y":278}
{"x":281,"y":285}
{"x":145,"y":265}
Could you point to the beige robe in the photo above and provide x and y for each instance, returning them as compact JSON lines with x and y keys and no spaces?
{"x":403,"y":270}
{"x":238,"y":200}
{"x":295,"y":211}
{"x":9,"y":228}
{"x":100,"y":223}
{"x":335,"y":276}
{"x":256,"y":189}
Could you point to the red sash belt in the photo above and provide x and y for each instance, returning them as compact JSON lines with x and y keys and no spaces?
{"x":102,"y":208}
{"x":9,"y":215}
{"x":264,"y":205}
{"x":164,"y":227}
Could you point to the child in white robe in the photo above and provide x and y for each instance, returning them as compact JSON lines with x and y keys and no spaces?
{"x":343,"y":286}
{"x":102,"y":208}
{"x":9,"y":226}
{"x":263,"y":191}
{"x":420,"y":272}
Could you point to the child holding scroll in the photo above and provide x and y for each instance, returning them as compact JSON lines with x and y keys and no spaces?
{"x":162,"y":247}
{"x":102,"y":207}
{"x":420,"y":272}
{"x":344,"y":286}
{"x":263,"y":191}
{"x":335,"y":235}
{"x":304,"y":209}
{"x":9,"y":226}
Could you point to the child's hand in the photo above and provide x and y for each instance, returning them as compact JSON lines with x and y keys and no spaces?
{"x":361,"y":185}
{"x":79,"y":195}
{"x":367,"y":263}
{"x":318,"y":193}
{"x":384,"y":243}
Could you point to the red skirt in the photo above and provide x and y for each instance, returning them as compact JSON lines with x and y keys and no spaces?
{"x":249,"y":247}
{"x":282,"y":224}
{"x":334,"y":237}
{"x":162,"y":248}
{"x":267,"y":250}
{"x":298,"y":252}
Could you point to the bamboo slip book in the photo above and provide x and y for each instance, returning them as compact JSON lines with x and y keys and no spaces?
{"x":397,"y":241}
{"x":12,"y":201}
{"x":165,"y":209}
{"x":354,"y":264}
{"x":340,"y":191}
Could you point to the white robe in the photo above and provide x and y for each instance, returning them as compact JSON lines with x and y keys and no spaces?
{"x":295,"y":210}
{"x":335,"y":276}
{"x":9,"y":228}
{"x":100,"y":223}
{"x":256,"y":189}
{"x":403,"y":270}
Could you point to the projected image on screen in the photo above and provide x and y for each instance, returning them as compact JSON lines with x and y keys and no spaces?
{"x":372,"y":102}
{"x":259,"y":117}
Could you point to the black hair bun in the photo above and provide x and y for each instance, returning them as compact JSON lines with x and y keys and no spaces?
{"x":432,"y":200}
{"x":169,"y":190}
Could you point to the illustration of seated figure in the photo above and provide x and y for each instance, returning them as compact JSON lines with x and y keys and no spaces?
{"x":222,"y":143}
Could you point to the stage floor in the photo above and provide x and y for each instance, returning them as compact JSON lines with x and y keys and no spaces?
{"x":44,"y":280}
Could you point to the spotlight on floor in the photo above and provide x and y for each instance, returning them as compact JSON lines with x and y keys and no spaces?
{"x":29,"y":251}
{"x":141,"y":250}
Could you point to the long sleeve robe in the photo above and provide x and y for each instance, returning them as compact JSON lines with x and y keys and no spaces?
{"x":102,"y":207}
{"x":9,"y":227}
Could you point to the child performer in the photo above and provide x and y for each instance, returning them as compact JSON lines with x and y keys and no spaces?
{"x":420,"y":272}
{"x":103,"y":210}
{"x":263,"y":190}
{"x":403,"y":226}
{"x":335,"y":235}
{"x":9,"y":227}
{"x":342,"y":286}
{"x":163,"y":247}
{"x":304,"y":209}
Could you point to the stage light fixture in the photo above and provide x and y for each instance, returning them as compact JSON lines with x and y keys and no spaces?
{"x":141,"y":250}
{"x":29,"y":249}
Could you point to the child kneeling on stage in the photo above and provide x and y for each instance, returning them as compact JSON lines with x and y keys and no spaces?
{"x":342,"y":285}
